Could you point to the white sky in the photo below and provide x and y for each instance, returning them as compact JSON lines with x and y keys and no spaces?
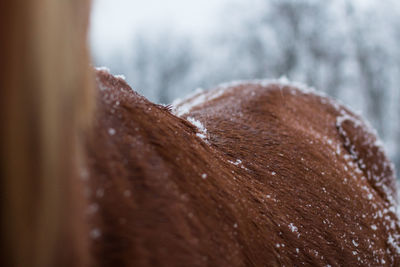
{"x":114,"y":21}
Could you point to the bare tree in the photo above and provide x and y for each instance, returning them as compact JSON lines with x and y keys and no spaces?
{"x":160,"y":65}
{"x":373,"y":60}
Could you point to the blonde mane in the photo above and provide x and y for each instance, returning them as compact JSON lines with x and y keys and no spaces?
{"x":46,"y":92}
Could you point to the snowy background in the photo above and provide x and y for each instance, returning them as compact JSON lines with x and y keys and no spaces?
{"x":346,"y":48}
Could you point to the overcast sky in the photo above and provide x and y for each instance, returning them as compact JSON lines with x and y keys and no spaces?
{"x":114,"y":21}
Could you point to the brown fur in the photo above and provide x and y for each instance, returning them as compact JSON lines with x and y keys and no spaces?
{"x":300,"y":195}
{"x":283,"y":177}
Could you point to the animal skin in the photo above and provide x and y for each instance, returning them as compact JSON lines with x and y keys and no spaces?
{"x":248,"y":174}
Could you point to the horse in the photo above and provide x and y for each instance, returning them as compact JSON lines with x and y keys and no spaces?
{"x":251,"y":173}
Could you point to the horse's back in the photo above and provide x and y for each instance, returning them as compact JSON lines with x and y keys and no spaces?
{"x":265,"y":174}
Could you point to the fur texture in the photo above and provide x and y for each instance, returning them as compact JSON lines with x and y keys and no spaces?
{"x":264,"y":175}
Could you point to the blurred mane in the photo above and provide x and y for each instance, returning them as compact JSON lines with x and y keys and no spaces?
{"x":46,"y":93}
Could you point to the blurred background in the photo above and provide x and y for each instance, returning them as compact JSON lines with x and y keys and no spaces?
{"x":346,"y":48}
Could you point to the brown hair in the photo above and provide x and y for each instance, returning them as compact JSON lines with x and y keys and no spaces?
{"x":259,"y":174}
{"x":45,"y":95}
{"x":252,"y":174}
